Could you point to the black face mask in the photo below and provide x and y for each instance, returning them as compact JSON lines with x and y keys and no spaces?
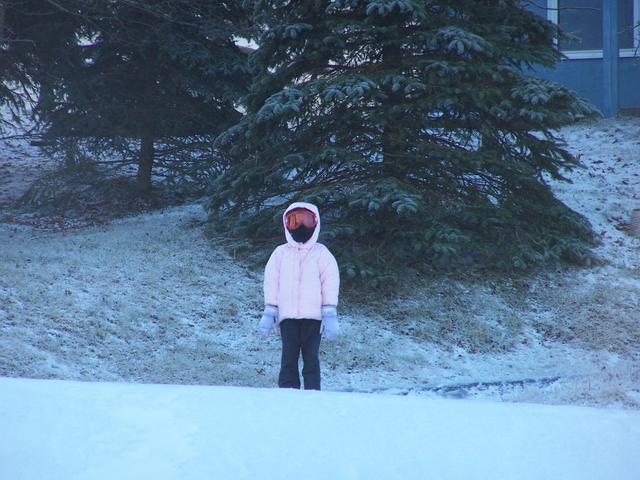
{"x":302,"y":233}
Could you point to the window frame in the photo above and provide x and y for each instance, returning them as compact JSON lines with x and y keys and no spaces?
{"x":552,"y":16}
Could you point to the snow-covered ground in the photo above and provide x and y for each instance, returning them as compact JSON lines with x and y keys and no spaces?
{"x":20,"y":165}
{"x":93,"y":431}
{"x":150,"y":299}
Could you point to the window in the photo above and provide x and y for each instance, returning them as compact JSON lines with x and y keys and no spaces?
{"x":628,"y":19}
{"x":583,"y":18}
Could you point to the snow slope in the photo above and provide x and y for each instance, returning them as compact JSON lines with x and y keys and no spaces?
{"x":88,"y":431}
{"x":150,"y":299}
{"x":20,"y":165}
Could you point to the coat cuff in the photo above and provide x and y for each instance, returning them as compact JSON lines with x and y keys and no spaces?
{"x":271,"y":310}
{"x":329,"y":311}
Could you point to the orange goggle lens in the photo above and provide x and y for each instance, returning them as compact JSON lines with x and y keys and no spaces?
{"x":297,"y":218}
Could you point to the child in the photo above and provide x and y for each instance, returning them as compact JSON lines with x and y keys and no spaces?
{"x":301,"y":284}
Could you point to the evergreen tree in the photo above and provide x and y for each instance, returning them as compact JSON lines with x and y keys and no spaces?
{"x":414,"y":126}
{"x":29,"y":30}
{"x":150,"y":70}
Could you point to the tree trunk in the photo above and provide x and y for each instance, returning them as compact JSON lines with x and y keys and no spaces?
{"x":391,"y":56}
{"x":3,"y":9}
{"x":145,"y":163}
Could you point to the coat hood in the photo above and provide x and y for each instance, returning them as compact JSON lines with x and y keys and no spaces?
{"x":314,"y":238}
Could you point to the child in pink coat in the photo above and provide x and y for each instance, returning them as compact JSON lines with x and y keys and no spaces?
{"x":301,"y":285}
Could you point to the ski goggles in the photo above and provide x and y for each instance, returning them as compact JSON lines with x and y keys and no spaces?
{"x":299,"y":217}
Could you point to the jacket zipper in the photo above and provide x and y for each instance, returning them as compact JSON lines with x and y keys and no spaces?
{"x":299,"y":281}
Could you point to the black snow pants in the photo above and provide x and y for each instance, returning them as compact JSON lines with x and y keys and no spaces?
{"x":300,"y":335}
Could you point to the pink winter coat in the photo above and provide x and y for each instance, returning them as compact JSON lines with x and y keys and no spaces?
{"x":301,"y":278}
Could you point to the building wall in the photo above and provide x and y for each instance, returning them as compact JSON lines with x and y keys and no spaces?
{"x":585,"y":77}
{"x":582,"y":76}
{"x":630,"y":83}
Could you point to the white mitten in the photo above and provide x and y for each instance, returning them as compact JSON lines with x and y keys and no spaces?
{"x":268,"y":320}
{"x":330,"y":327}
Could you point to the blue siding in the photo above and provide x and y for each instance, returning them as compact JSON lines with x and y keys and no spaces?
{"x":629,"y":83}
{"x":585,"y":77}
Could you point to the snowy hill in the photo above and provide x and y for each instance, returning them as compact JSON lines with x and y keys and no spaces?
{"x":150,"y":299}
{"x":88,"y":431}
